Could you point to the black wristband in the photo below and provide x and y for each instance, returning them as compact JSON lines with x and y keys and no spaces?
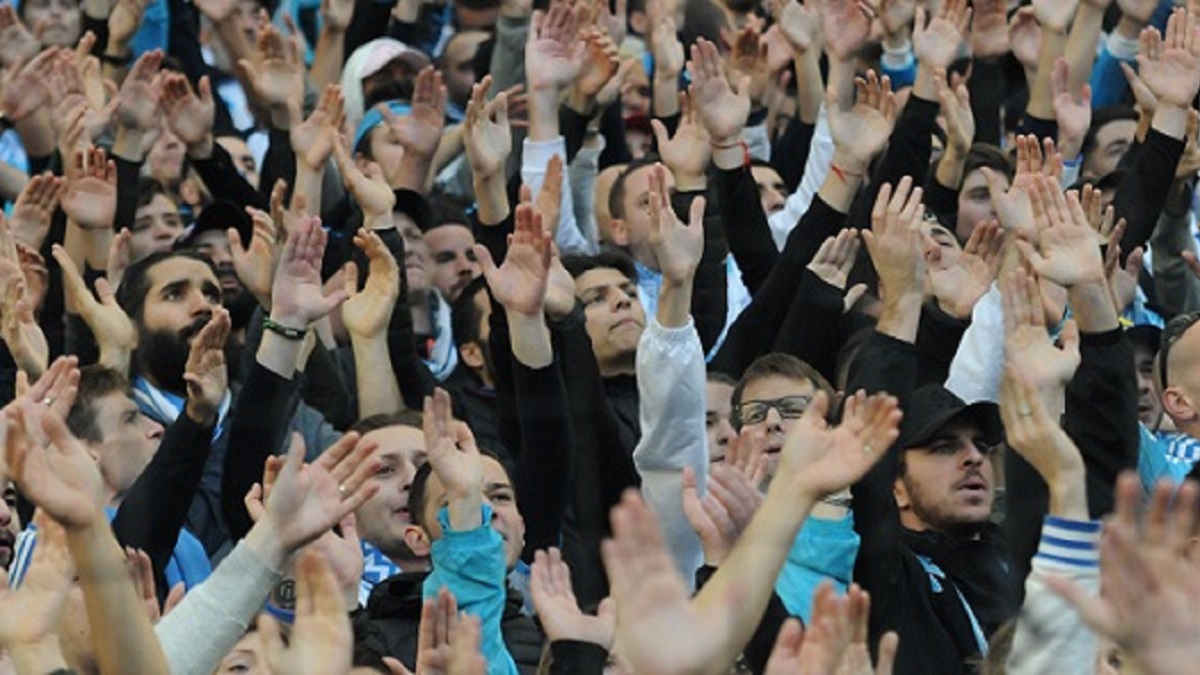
{"x":283,"y":331}
{"x":117,"y":61}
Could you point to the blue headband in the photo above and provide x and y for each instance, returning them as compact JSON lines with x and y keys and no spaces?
{"x":374,"y":118}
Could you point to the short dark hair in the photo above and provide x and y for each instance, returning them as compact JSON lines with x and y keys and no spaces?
{"x":1103,"y":116}
{"x":465,"y":314}
{"x":148,"y":188}
{"x":446,"y":210}
{"x":780,"y":365}
{"x":420,"y":485}
{"x":987,"y":155}
{"x":402,"y":418}
{"x":131,"y":294}
{"x":95,"y":382}
{"x":720,"y":377}
{"x":608,"y":257}
{"x":616,"y":195}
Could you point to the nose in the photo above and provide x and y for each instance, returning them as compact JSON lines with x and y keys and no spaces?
{"x":974,"y":456}
{"x":621,"y":299}
{"x":199,"y":305}
{"x":154,"y":430}
{"x":774,"y":421}
{"x":6,"y":515}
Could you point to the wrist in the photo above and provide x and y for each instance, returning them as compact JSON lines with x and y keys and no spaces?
{"x":286,"y":318}
{"x":202,"y":149}
{"x":580,"y":102}
{"x":465,"y":509}
{"x":1129,"y":28}
{"x":202,"y":413}
{"x":1170,"y":119}
{"x":849,"y":162}
{"x":689,"y":182}
{"x":263,"y":539}
{"x":543,"y":114}
{"x":279,"y":117}
{"x":42,"y":655}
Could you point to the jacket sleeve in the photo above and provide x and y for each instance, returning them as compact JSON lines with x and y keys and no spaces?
{"x":813,"y":328}
{"x":222,"y":179}
{"x":746,"y":227}
{"x":1101,"y":413}
{"x":710,"y":294}
{"x":908,"y":152}
{"x":671,"y":386}
{"x":824,"y":549}
{"x":1143,"y":192}
{"x":259,"y":424}
{"x":979,"y":362}
{"x":471,"y":565}
{"x":1050,"y":637}
{"x":883,"y":364}
{"x":1177,"y":287}
{"x":938,"y":339}
{"x":790,"y":151}
{"x":816,"y":168}
{"x":214,"y":616}
{"x":533,"y":171}
{"x":156,"y":506}
{"x":571,"y":657}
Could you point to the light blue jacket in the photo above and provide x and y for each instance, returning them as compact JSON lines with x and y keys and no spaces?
{"x":471,"y":565}
{"x":824,"y":549}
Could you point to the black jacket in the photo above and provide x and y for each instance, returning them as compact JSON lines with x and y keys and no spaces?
{"x":390,"y":623}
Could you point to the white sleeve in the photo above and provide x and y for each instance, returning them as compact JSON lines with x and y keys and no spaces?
{"x":583,"y":171}
{"x":1050,"y":636}
{"x":670,"y":368}
{"x":979,"y":363}
{"x":758,"y":141}
{"x":533,"y":171}
{"x":215,"y":615}
{"x":816,"y":168}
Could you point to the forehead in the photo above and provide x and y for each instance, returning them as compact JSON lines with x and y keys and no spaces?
{"x":976,"y":179}
{"x":718,"y":395}
{"x":600,"y":278}
{"x":1116,"y":130}
{"x":397,"y":439}
{"x":160,"y":204}
{"x":765,"y":175}
{"x":776,"y":386}
{"x":179,"y":268}
{"x":449,"y":236}
{"x":637,"y":181}
{"x":214,"y":237}
{"x":959,"y":429}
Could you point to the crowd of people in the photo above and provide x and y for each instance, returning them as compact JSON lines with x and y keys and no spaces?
{"x":658,"y":337}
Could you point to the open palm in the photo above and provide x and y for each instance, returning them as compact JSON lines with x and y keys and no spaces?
{"x":520,"y":282}
{"x":368,"y":311}
{"x":1170,"y":67}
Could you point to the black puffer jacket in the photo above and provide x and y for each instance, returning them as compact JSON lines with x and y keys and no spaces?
{"x":390,"y":623}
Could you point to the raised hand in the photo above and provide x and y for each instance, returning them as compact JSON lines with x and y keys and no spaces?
{"x":1066,"y":253}
{"x":304,"y":501}
{"x":138,"y":108}
{"x":600,"y":64}
{"x":90,"y":199}
{"x":989,"y":30}
{"x":367,"y":313}
{"x":1025,"y":37}
{"x":31,"y":215}
{"x":322,"y":639}
{"x":368,"y":185}
{"x":861,"y":132}
{"x":205,"y":373}
{"x":1151,"y":600}
{"x":17,"y":44}
{"x":936,"y":44}
{"x":487,"y":137}
{"x":1170,"y":65}
{"x":658,"y":629}
{"x":314,"y":138}
{"x":553,"y":54}
{"x":800,"y":23}
{"x":276,"y":75}
{"x":1014,"y":204}
{"x":1027,"y":345}
{"x":61,"y":478}
{"x":1035,"y":434}
{"x":959,"y":280}
{"x":1055,"y":15}
{"x":894,"y":240}
{"x":956,"y":108}
{"x":819,"y":459}
{"x":344,"y":553}
{"x":52,"y":393}
{"x":217,"y":11}
{"x":688,"y":153}
{"x":420,"y":130}
{"x":520,"y":282}
{"x":336,"y":15}
{"x":189,"y":117}
{"x":33,"y":611}
{"x":23,"y":90}
{"x":297,"y":298}
{"x":124,"y":21}
{"x":18,"y":325}
{"x":435,"y":637}
{"x":721,"y":515}
{"x":256,"y":262}
{"x":1073,"y":113}
{"x":557,"y":609}
{"x":456,"y":461}
{"x":846,"y":25}
{"x":748,"y":59}
{"x":664,"y":42}
{"x":836,"y":257}
{"x":677,"y":246}
{"x":722,"y":109}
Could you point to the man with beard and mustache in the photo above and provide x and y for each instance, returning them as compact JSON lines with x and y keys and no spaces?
{"x":208,"y":236}
{"x":170,"y":297}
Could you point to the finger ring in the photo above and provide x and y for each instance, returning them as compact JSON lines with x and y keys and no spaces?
{"x":342,"y":489}
{"x":867,"y":449}
{"x":1024,"y":411}
{"x":49,"y":400}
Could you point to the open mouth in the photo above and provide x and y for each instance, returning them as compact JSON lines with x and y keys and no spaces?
{"x":973,"y":485}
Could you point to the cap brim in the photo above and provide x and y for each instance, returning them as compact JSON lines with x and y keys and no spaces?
{"x":984,"y":414}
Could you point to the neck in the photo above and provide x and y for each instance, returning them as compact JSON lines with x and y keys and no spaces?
{"x":619,"y":366}
{"x":642,"y":253}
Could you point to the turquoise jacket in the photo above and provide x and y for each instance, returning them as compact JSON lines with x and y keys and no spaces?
{"x":824,"y":549}
{"x":471,"y":565}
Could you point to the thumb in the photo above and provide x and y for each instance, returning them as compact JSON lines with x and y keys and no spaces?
{"x":350,"y":278}
{"x":696,"y":213}
{"x":395,"y":667}
{"x":1070,"y":336}
{"x":484,"y":257}
{"x":661,"y":138}
{"x":235,"y":241}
